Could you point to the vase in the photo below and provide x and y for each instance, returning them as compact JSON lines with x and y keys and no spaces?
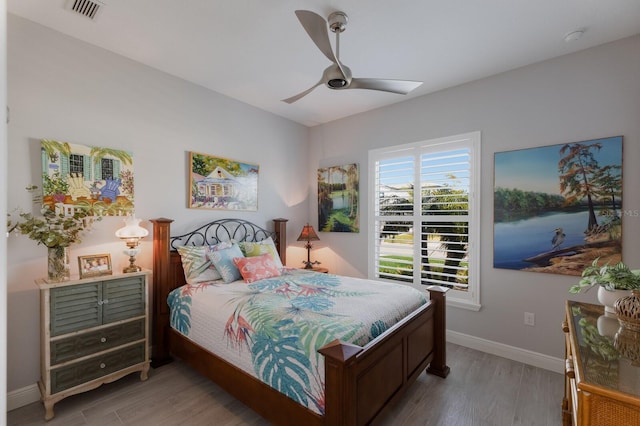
{"x":608,"y":298}
{"x":627,"y":343}
{"x":58,"y":264}
{"x":628,"y":310}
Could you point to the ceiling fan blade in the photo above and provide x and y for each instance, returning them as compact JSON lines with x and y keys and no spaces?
{"x":316,"y":26}
{"x":401,"y":87}
{"x":302,"y":94}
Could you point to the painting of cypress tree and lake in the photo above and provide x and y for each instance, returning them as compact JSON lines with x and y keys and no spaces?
{"x":338,"y":199}
{"x":558,"y":207}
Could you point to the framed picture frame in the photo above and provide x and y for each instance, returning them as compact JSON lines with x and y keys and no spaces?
{"x":96,"y":179}
{"x":338,"y":198}
{"x":218,"y":183}
{"x":94,"y":265}
{"x":558,"y":207}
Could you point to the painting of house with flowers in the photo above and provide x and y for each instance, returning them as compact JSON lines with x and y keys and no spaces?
{"x":98,"y":180}
{"x":222,"y":184}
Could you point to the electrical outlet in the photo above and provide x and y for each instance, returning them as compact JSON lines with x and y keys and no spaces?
{"x":529,"y":319}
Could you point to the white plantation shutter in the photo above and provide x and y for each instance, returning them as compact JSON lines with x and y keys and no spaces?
{"x":425,"y":215}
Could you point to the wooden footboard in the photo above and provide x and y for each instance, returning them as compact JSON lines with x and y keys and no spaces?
{"x":360,"y":382}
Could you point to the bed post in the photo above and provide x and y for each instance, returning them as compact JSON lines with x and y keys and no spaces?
{"x":340,"y":387}
{"x":438,"y":365}
{"x":161,"y":277}
{"x":280,"y":228}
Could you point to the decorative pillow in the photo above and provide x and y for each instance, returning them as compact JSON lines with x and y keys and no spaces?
{"x":257,"y":267}
{"x":196,"y":265}
{"x":223,"y":261}
{"x":251,"y":249}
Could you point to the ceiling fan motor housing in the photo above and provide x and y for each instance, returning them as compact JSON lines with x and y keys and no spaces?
{"x":334,"y":79}
{"x":338,"y":21}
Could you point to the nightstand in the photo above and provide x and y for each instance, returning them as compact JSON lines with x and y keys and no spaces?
{"x":92,"y":331}
{"x":321,"y":270}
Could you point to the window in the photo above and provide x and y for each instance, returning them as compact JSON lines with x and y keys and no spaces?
{"x":76,"y":165}
{"x":106,"y":165}
{"x":425,"y":215}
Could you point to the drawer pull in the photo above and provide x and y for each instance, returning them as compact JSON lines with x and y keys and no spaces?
{"x":103,"y":339}
{"x":105,"y":301}
{"x":103,"y":365}
{"x":565,"y":326}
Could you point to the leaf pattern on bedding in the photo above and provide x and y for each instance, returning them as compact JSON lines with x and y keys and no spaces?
{"x":180,"y":318}
{"x":377,"y":328}
{"x":282,"y":322}
{"x":280,"y":362}
{"x":179,"y":300}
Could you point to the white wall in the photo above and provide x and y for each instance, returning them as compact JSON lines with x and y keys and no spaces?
{"x":3,"y":210}
{"x":64,"y":89}
{"x":586,"y":95}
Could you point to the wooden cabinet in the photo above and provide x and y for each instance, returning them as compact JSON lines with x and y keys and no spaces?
{"x":92,"y":331}
{"x":602,"y":380}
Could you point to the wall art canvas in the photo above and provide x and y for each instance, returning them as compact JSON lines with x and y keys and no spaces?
{"x":559,"y":207}
{"x":222,"y":184}
{"x":338,"y":199}
{"x":97,"y":179}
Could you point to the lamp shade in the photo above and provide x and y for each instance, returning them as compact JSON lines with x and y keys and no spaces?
{"x":132,"y":229}
{"x":308,"y":234}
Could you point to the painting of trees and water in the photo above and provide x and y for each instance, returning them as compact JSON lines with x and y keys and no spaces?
{"x":95,"y":179}
{"x":559,"y":207}
{"x":338,"y":199}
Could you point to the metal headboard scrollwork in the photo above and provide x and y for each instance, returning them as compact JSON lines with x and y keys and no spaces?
{"x":222,"y":230}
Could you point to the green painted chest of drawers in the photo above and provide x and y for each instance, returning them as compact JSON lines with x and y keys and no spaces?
{"x":93,"y":331}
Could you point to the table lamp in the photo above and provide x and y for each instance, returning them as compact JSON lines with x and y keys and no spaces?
{"x":132,"y":233}
{"x":308,"y":235}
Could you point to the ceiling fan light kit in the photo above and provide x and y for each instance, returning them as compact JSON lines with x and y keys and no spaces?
{"x":337,"y":76}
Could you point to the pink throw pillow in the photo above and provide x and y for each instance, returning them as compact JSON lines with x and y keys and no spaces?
{"x":257,"y":267}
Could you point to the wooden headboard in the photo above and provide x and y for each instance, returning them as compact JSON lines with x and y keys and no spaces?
{"x":167,"y":266}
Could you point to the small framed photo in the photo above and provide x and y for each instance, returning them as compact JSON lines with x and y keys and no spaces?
{"x":94,"y":265}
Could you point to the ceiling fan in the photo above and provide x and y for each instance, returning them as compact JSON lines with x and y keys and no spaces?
{"x":338,"y":76}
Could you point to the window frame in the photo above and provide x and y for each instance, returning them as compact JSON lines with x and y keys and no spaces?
{"x":469,"y":299}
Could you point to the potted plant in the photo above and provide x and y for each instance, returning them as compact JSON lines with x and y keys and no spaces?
{"x":55,"y":230}
{"x":613,"y":282}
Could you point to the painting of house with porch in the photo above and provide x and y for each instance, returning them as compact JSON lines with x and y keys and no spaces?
{"x":222,"y":184}
{"x":98,"y":180}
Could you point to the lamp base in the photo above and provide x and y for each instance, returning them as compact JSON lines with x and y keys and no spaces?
{"x":309,"y":265}
{"x":132,"y":252}
{"x":132,"y":268}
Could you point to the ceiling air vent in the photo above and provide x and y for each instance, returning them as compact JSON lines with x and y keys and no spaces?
{"x":88,"y":8}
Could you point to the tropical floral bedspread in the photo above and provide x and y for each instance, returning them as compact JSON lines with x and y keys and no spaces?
{"x":272,"y":328}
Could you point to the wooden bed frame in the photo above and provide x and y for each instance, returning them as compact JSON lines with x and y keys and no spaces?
{"x":360,"y":382}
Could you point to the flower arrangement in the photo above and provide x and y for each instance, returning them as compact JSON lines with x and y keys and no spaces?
{"x":51,"y":229}
{"x":616,"y":277}
{"x":55,"y":230}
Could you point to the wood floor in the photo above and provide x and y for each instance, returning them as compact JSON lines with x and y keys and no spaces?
{"x":481,"y":390}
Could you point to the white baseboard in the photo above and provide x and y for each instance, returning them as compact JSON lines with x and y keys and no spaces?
{"x":21,"y":397}
{"x":510,"y":352}
{"x":29,"y":394}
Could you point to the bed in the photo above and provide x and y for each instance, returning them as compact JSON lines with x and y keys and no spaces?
{"x":359,"y":382}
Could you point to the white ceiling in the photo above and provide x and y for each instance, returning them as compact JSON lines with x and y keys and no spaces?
{"x":256,"y":51}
